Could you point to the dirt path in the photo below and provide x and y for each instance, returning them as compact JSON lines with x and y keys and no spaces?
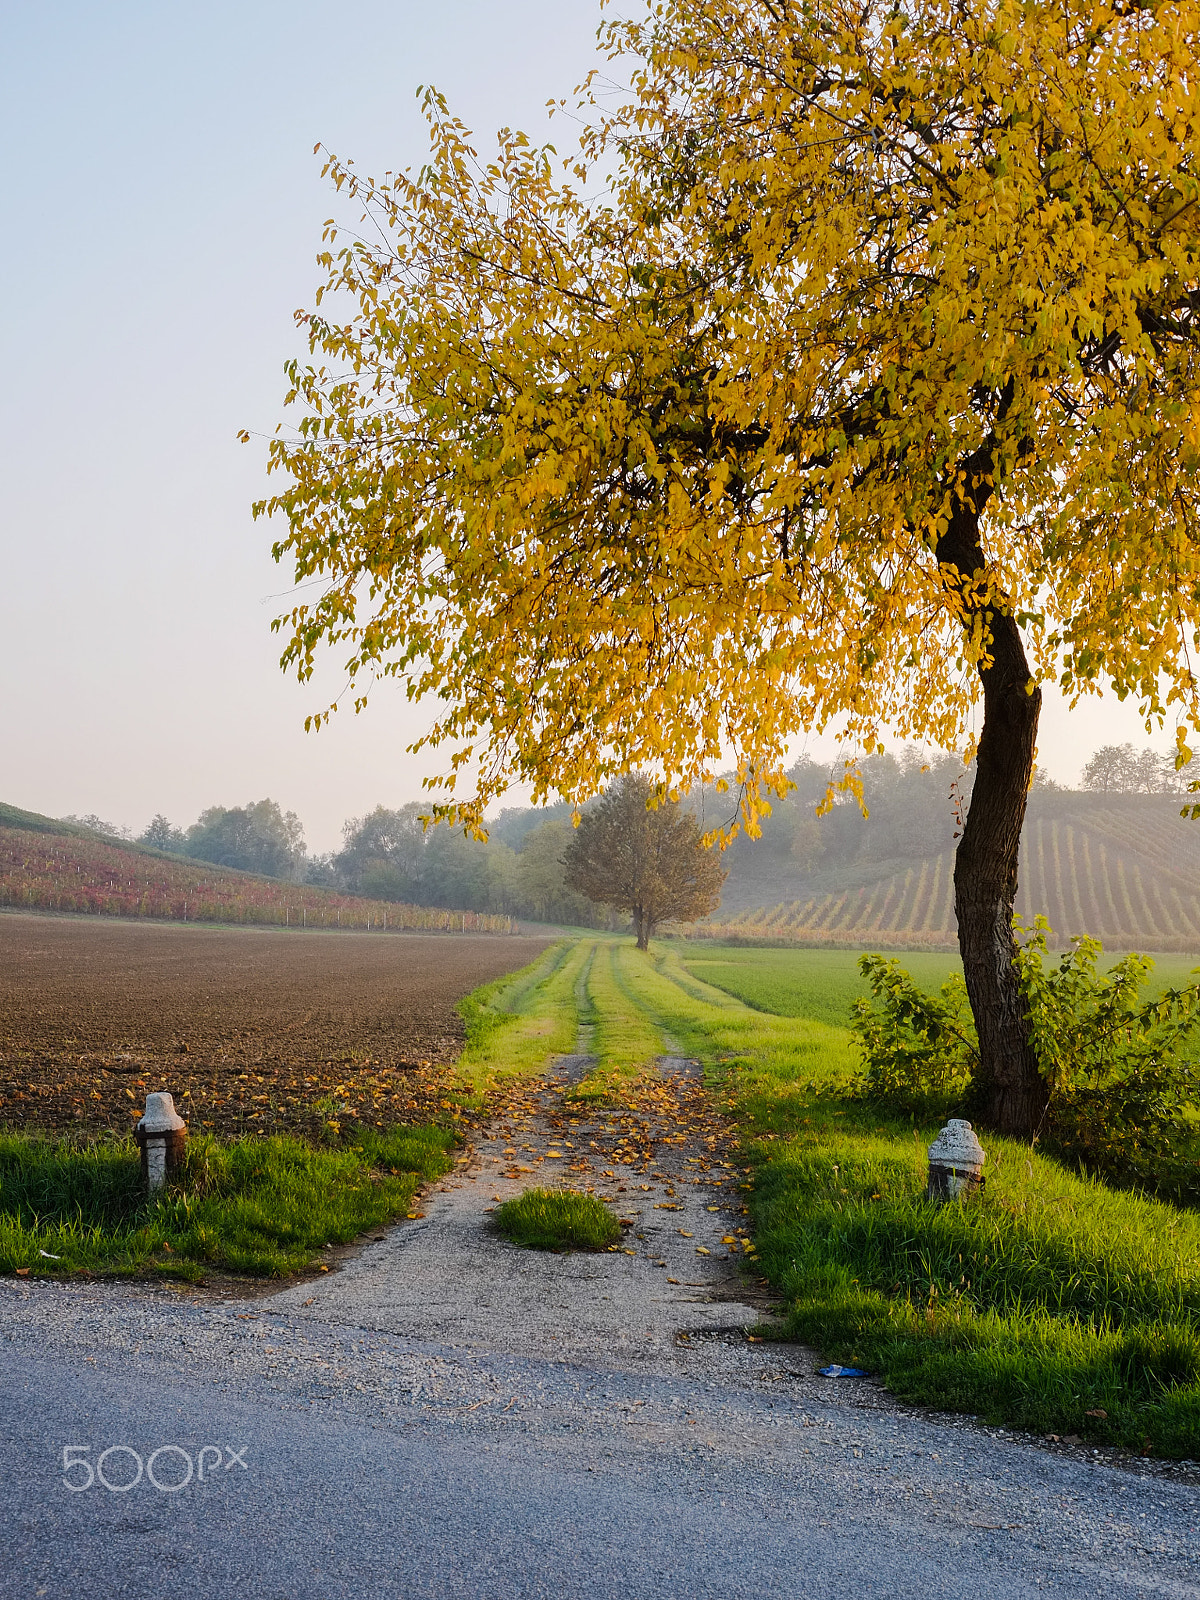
{"x":662,"y":1161}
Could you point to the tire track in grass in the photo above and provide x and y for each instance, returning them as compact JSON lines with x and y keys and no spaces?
{"x":625,"y":1043}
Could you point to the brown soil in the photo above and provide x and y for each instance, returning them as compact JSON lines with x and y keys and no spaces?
{"x":248,"y":1028}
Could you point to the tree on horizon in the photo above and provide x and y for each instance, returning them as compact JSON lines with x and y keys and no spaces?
{"x":643,"y":858}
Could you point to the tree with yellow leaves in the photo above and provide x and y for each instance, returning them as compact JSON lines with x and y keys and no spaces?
{"x":865,"y":392}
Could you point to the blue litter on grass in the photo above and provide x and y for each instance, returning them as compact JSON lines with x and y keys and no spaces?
{"x":841,"y":1372}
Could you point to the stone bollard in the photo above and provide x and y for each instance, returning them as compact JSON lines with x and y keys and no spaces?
{"x":162,"y":1135}
{"x":955,"y":1163}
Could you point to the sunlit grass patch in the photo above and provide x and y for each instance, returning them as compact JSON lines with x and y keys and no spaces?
{"x":1052,"y":1302}
{"x":516,"y":1024}
{"x":557,"y":1219}
{"x":255,"y":1206}
{"x":821,"y":985}
{"x":623,"y":1039}
{"x":721,"y":1031}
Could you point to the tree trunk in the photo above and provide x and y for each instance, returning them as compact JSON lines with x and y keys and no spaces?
{"x":642,"y":923}
{"x":1010,"y":1089}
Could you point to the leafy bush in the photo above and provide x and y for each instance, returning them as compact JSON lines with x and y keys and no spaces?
{"x":919,"y":1049}
{"x":1123,"y":1087}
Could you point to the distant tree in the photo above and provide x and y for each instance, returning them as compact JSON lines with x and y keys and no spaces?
{"x":1043,"y":783}
{"x":515,"y":823}
{"x":1173,"y":779}
{"x":649,"y":863}
{"x":541,"y":887}
{"x":1148,"y":774}
{"x":322,"y":872}
{"x":1110,"y":771}
{"x":392,"y":855}
{"x":1120,"y":769}
{"x":259,"y":837}
{"x":96,"y":824}
{"x":160,"y":835}
{"x":806,"y":846}
{"x":383,"y":853}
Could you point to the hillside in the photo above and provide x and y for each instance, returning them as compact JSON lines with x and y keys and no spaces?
{"x":1125,"y":868}
{"x":52,"y":866}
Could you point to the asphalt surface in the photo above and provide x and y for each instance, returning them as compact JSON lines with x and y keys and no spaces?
{"x":443,"y":1415}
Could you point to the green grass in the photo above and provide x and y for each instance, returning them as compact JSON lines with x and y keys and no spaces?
{"x":729,"y":1036}
{"x":557,"y":1219}
{"x":823,"y":984}
{"x":623,"y":1039}
{"x":1050,"y":1297}
{"x":256,"y":1206}
{"x":517,"y":1023}
{"x":818,"y":984}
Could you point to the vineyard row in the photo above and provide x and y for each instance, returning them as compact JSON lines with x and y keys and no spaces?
{"x":1079,"y":879}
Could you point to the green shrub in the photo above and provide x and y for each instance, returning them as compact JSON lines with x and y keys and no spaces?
{"x":1123,"y":1083}
{"x":919,"y":1049}
{"x":558,"y":1219}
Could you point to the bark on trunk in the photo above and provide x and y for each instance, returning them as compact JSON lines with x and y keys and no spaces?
{"x":1010,"y":1089}
{"x":642,"y":924}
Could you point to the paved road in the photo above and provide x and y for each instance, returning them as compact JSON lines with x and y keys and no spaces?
{"x":446,"y":1416}
{"x":341,"y":1462}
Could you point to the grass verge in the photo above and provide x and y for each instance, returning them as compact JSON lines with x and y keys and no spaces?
{"x":1052,"y":1303}
{"x":256,"y":1206}
{"x":557,"y":1219}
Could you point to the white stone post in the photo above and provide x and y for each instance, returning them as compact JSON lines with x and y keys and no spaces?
{"x":956,"y":1160}
{"x":162,"y":1134}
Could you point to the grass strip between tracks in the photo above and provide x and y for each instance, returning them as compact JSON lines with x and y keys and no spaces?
{"x":1052,"y":1303}
{"x":517,"y":1023}
{"x":624,"y":1040}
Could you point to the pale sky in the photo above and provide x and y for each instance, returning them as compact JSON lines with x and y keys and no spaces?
{"x":164,"y":208}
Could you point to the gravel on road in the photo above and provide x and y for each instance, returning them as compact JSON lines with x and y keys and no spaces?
{"x":444,"y":1414}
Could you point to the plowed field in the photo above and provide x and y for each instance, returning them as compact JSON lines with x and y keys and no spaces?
{"x":250,"y":1029}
